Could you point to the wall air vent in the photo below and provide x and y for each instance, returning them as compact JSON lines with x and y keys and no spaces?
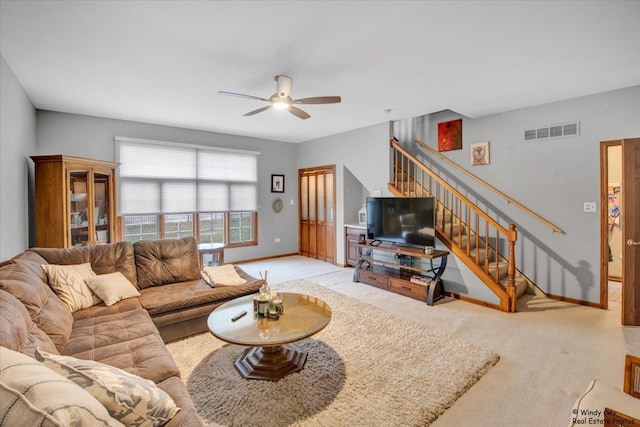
{"x":552,"y":132}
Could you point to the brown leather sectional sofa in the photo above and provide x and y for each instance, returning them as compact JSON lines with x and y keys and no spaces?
{"x":130,"y":334}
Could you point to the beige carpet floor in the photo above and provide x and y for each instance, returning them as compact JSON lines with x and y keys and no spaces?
{"x":367,"y":367}
{"x":549,"y":351}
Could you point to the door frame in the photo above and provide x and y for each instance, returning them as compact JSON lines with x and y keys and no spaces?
{"x":630,"y":287}
{"x":310,"y":170}
{"x":604,"y":228}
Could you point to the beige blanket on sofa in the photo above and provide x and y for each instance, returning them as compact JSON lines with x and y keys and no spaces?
{"x":223,"y":275}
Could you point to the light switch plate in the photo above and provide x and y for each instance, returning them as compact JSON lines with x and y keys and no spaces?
{"x":590,"y":207}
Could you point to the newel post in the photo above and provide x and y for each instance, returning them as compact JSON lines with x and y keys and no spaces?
{"x":512,"y":236}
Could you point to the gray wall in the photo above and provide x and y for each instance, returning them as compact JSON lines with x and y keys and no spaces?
{"x":365,"y":153}
{"x":553,"y":177}
{"x":355,"y":195}
{"x":93,"y":137}
{"x":17,"y":142}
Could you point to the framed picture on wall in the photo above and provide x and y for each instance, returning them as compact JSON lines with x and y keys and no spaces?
{"x":479,"y":153}
{"x":277,"y":183}
{"x":450,"y":135}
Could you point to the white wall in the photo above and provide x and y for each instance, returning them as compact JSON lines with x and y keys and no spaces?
{"x":553,"y":177}
{"x":93,"y":137}
{"x":17,"y":142}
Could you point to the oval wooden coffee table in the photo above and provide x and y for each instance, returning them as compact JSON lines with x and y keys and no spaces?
{"x":272,"y":353}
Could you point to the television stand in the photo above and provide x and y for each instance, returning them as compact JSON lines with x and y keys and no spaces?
{"x":401,"y":274}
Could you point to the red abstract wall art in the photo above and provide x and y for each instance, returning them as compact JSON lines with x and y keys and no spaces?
{"x":450,"y":135}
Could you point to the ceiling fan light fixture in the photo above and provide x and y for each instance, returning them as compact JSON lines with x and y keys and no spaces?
{"x":281,"y":104}
{"x":281,"y":100}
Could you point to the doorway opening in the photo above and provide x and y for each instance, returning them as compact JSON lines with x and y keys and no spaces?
{"x":620,"y":207}
{"x":611,"y":189}
{"x":610,"y":224}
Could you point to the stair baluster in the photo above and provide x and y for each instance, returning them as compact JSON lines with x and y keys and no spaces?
{"x":456,"y":213}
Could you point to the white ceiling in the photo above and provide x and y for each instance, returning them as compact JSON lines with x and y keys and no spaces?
{"x":163,"y":61}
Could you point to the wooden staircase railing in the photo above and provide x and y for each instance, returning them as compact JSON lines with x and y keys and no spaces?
{"x":484,"y":245}
{"x":509,"y":199}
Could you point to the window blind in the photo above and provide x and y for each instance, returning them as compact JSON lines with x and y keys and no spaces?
{"x":160,"y":178}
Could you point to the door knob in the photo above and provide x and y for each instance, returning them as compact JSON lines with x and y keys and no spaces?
{"x":632,"y":243}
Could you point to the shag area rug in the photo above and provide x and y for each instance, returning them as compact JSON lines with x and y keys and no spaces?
{"x":367,"y":367}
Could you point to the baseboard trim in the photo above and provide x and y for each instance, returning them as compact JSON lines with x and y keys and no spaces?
{"x":574,"y":301}
{"x":473,"y":301}
{"x":264,"y":258}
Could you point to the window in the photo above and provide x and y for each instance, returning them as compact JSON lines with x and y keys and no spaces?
{"x":170,"y":190}
{"x":240,"y":227}
{"x":212,"y":226}
{"x":178,"y":226}
{"x":140,"y":227}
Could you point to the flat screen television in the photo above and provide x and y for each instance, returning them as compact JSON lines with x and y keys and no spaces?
{"x":408,"y":221}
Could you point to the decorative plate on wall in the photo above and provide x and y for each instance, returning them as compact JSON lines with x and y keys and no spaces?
{"x":277,"y":205}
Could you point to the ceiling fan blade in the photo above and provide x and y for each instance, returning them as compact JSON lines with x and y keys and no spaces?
{"x":319,"y":100}
{"x":299,"y":113}
{"x":240,"y":95}
{"x":284,"y":84}
{"x":259,"y":110}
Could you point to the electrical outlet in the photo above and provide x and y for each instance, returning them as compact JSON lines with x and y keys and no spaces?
{"x":277,"y":240}
{"x":590,"y":207}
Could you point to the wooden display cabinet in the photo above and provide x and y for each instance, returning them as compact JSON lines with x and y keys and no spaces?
{"x":74,"y":201}
{"x":352,"y":234}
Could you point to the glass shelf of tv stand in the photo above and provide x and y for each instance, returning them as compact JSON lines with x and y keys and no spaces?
{"x":399,"y":249}
{"x":365,"y":255}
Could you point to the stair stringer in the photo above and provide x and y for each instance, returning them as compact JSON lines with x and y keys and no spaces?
{"x":461,"y":255}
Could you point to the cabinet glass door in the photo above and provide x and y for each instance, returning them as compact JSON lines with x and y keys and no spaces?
{"x":101,"y":218}
{"x":79,"y":203}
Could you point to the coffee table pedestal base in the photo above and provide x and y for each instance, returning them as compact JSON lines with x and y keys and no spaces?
{"x":270,"y":363}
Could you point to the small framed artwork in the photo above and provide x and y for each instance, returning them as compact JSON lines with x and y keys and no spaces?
{"x":277,"y":183}
{"x":479,"y":153}
{"x":450,"y":135}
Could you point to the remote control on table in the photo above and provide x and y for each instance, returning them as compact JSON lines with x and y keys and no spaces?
{"x":237,"y":316}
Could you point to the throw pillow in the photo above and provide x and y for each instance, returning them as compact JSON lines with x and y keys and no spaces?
{"x":33,"y":395}
{"x":67,"y":281}
{"x":130,"y":399}
{"x":223,"y":275}
{"x":111,"y":287}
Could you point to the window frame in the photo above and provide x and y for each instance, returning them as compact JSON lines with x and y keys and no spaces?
{"x":196,"y":228}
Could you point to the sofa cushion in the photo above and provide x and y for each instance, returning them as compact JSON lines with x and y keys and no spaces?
{"x":32,"y":262}
{"x":115,"y":257}
{"x":188,"y":415}
{"x":122,"y":335}
{"x":159,"y":262}
{"x":130,"y":399}
{"x":111,"y":287}
{"x":183,"y":295}
{"x":103,"y":258}
{"x":64,"y":256}
{"x":67,"y":281}
{"x":34,"y":395}
{"x":17,"y":330}
{"x":26,"y":280}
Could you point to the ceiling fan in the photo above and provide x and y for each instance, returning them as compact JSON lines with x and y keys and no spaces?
{"x":281,"y":100}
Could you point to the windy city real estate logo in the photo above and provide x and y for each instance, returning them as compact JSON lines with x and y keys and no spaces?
{"x":592,"y":417}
